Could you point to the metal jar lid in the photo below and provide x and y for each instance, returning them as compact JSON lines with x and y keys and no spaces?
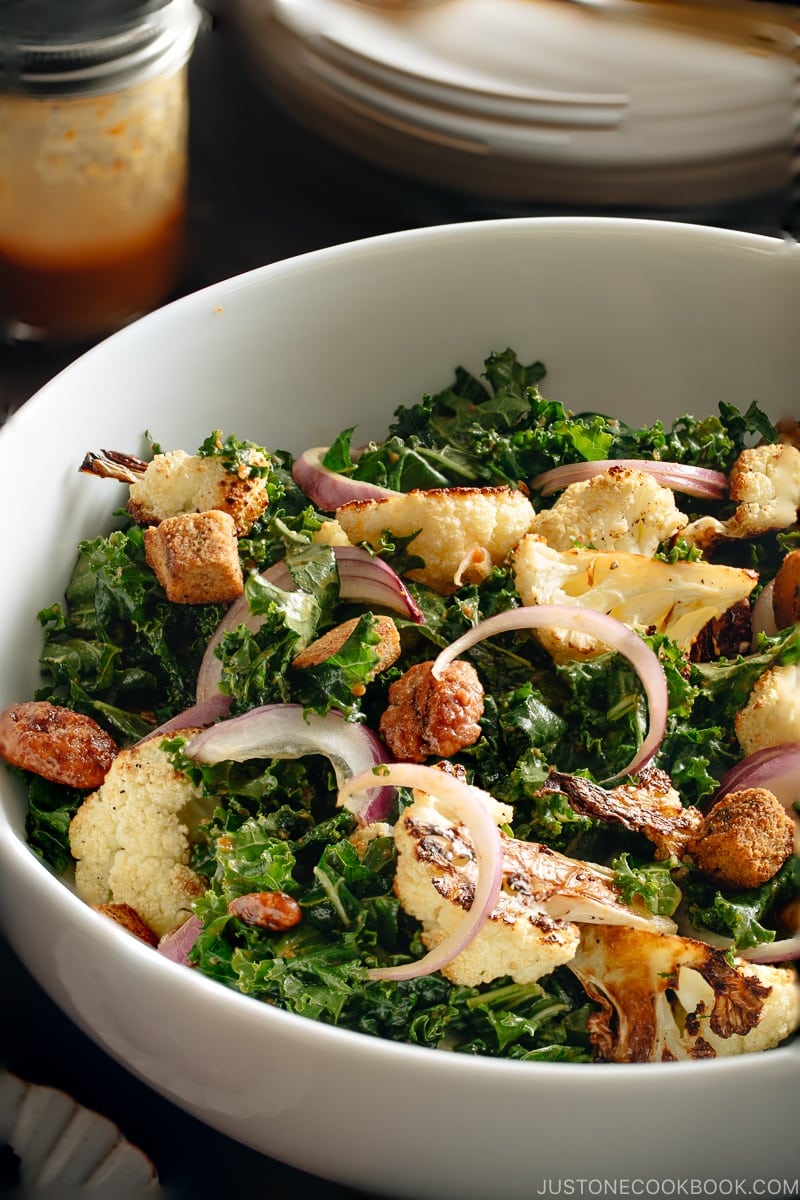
{"x":49,"y":48}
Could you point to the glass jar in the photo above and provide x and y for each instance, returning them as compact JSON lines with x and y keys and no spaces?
{"x":93,"y":163}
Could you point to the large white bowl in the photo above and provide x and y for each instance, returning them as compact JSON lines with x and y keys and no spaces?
{"x":643,"y":319}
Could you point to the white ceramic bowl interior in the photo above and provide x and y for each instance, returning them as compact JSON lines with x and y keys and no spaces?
{"x":644,"y":320}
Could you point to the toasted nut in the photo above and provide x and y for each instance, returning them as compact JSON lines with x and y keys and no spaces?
{"x":786,"y":591}
{"x":60,"y":745}
{"x":388,"y":648}
{"x":129,"y":919}
{"x":430,"y":715}
{"x":275,"y":911}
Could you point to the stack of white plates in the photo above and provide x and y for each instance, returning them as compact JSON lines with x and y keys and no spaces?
{"x":542,"y":101}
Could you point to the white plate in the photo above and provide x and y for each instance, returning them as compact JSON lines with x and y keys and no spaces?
{"x":62,"y":1145}
{"x":536,"y":101}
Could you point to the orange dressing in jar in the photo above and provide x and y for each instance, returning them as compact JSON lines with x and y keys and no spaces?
{"x":93,"y":174}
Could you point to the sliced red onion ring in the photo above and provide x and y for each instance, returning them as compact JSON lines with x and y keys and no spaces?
{"x":694,"y":481}
{"x":327,"y":489}
{"x":286,"y":731}
{"x":370,"y":580}
{"x":466,"y":803}
{"x":610,"y":631}
{"x":206,"y":712}
{"x":176,"y":944}
{"x":772,"y":765}
{"x":362,"y":578}
{"x":785,"y":950}
{"x":762,"y":617}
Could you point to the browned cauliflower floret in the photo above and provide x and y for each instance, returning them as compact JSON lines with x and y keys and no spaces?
{"x":131,"y":838}
{"x":534,"y":926}
{"x":664,"y":997}
{"x":744,"y":839}
{"x":433,"y":716}
{"x":177,"y":482}
{"x":621,"y":509}
{"x":765,"y":485}
{"x":771,"y":716}
{"x":678,"y":599}
{"x":651,"y":807}
{"x":451,"y":526}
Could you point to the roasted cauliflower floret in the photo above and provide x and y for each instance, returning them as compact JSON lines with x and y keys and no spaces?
{"x":765,"y":485}
{"x":771,"y":716}
{"x":454,"y":528}
{"x":177,"y":482}
{"x":651,"y":807}
{"x":663,"y":997}
{"x":534,"y":926}
{"x":131,"y":838}
{"x":678,"y":599}
{"x":622,"y":509}
{"x":744,"y":839}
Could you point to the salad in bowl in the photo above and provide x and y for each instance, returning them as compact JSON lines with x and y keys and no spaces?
{"x":412,"y":821}
{"x":475,"y":737}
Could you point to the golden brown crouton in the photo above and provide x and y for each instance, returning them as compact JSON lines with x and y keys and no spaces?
{"x":196,"y":557}
{"x":387,"y":649}
{"x":745,"y":838}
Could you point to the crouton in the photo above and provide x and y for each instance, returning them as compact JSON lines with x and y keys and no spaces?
{"x":387,"y":648}
{"x":744,"y":839}
{"x":196,"y":557}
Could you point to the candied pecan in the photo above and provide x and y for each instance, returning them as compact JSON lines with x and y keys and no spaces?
{"x":56,"y":743}
{"x":275,"y":911}
{"x":429,"y":715}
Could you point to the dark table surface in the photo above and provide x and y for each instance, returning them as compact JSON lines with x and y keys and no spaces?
{"x":262,"y":189}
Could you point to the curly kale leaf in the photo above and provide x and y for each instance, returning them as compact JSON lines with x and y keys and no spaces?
{"x":500,"y":431}
{"x":649,"y":882}
{"x":118,"y":648}
{"x":715,"y":441}
{"x":739,"y":914}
